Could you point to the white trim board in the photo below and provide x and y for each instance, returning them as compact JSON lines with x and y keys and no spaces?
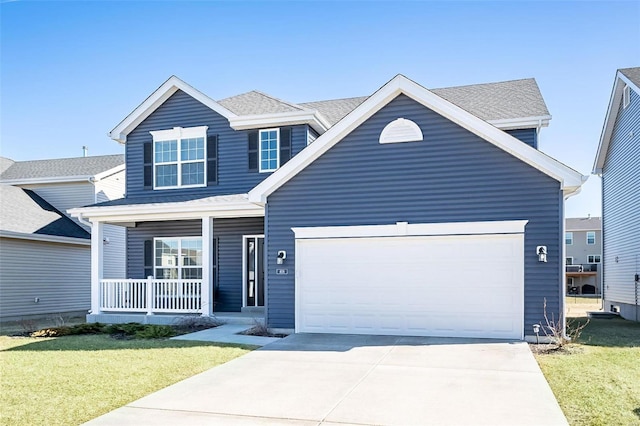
{"x":570,"y":180}
{"x":157,"y":98}
{"x":414,"y":229}
{"x":45,"y":238}
{"x":610,"y":119}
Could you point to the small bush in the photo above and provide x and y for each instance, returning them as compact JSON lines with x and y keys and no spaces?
{"x":52,"y":332}
{"x":156,"y":332}
{"x":128,"y":329}
{"x":87,"y":328}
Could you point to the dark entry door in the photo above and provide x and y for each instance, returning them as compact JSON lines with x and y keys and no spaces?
{"x":253,"y":270}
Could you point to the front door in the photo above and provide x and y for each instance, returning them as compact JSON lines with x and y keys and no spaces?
{"x":253,"y":263}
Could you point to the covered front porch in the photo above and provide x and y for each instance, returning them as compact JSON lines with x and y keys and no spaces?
{"x":197,"y":257}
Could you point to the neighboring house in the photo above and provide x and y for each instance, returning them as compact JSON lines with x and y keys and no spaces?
{"x":583,"y":254}
{"x":618,"y":163}
{"x":45,"y":259}
{"x":408,"y":212}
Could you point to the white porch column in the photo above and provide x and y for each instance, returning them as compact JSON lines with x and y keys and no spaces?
{"x":97,"y":265}
{"x":207,"y":266}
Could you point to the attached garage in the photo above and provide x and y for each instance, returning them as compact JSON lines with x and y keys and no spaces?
{"x":439,"y":279}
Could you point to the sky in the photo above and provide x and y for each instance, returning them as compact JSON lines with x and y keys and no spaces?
{"x":71,"y":71}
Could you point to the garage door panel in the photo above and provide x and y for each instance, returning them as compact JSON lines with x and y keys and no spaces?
{"x":462,"y":285}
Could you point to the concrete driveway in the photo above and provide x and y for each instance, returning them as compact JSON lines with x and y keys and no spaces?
{"x":312,"y":379}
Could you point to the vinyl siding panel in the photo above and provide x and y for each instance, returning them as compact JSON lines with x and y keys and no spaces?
{"x":58,"y":274}
{"x":115,"y":260}
{"x":580,"y":251}
{"x":621,"y":207}
{"x":452,"y":176}
{"x":64,"y":196}
{"x":181,"y":110}
{"x":528,"y":136}
{"x":229,"y":233}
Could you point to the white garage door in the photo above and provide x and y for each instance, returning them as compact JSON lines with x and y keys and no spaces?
{"x":370,"y":280}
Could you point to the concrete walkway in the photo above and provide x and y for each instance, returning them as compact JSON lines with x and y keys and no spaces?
{"x":228,"y":333}
{"x":312,"y":379}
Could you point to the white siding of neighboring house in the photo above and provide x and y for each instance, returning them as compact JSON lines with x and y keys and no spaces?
{"x":56,"y":273}
{"x":106,"y":189}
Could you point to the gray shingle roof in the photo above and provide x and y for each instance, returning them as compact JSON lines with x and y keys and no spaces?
{"x":489,"y":101}
{"x":583,"y":223}
{"x":498,"y":101}
{"x":58,"y":167}
{"x":632,"y":74}
{"x":334,"y":110}
{"x":5,"y":163}
{"x":255,"y":102}
{"x":25,"y":212}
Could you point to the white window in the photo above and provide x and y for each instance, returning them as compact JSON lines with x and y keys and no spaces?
{"x":591,"y":238}
{"x":179,"y":157}
{"x":269,"y":150}
{"x":569,"y":260}
{"x":568,"y":238}
{"x":178,"y":258}
{"x":626,"y":96}
{"x":593,"y":258}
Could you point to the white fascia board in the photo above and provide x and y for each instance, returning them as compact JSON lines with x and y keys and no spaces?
{"x":417,"y":229}
{"x":400,"y":84}
{"x":246,"y":122}
{"x":165,"y":211}
{"x":157,"y":98}
{"x":45,"y":238}
{"x":58,"y":179}
{"x":610,"y":119}
{"x":521,"y":123}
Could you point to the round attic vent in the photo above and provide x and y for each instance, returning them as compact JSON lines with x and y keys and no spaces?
{"x":401,"y":130}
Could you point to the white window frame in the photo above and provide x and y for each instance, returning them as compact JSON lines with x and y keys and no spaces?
{"x":570,"y":234}
{"x":570,"y":281}
{"x":594,"y":256}
{"x":178,"y":134}
{"x":570,"y":262}
{"x":179,"y":266}
{"x":626,"y":96}
{"x":587,"y":238}
{"x":277,"y":130}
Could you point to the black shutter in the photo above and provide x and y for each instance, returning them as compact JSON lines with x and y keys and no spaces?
{"x":148,"y":165}
{"x":148,"y":258}
{"x":212,"y":160}
{"x":285,"y":145}
{"x":253,"y":151}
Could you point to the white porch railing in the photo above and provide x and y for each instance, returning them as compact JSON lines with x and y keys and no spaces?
{"x":151,"y":296}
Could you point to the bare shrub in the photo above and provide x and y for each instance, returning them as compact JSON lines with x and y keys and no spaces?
{"x":554,"y":329}
{"x":190,"y":324}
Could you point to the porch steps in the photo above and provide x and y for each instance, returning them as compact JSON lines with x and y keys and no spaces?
{"x":236,"y":318}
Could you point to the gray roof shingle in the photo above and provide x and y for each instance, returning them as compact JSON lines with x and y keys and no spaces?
{"x":583,"y":223}
{"x":59,"y":167}
{"x":632,"y":74}
{"x":23,"y":211}
{"x":489,"y":101}
{"x":255,"y":102}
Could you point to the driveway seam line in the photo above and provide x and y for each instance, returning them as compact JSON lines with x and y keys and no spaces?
{"x":220,"y":414}
{"x":324,"y":419}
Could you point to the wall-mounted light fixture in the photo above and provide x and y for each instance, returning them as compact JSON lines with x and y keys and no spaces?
{"x":541,"y":251}
{"x":282,"y":255}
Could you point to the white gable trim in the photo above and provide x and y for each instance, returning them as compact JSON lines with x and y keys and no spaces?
{"x":569,"y":179}
{"x":610,"y":119}
{"x":311,"y":117}
{"x":157,"y":98}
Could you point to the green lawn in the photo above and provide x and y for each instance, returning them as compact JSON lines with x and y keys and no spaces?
{"x":597,"y":380}
{"x":72,"y":379}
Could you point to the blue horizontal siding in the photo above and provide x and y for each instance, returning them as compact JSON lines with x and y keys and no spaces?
{"x":452,"y":176}
{"x":621,"y":208}
{"x":181,"y":110}
{"x":528,"y":136}
{"x":229,"y":233}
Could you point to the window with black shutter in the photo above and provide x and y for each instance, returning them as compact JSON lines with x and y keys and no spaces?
{"x":148,"y":258}
{"x":285,"y":145}
{"x":253,"y":151}
{"x":148,"y":165}
{"x":212,"y":159}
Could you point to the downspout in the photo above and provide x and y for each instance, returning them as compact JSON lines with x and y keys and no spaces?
{"x":83,"y":221}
